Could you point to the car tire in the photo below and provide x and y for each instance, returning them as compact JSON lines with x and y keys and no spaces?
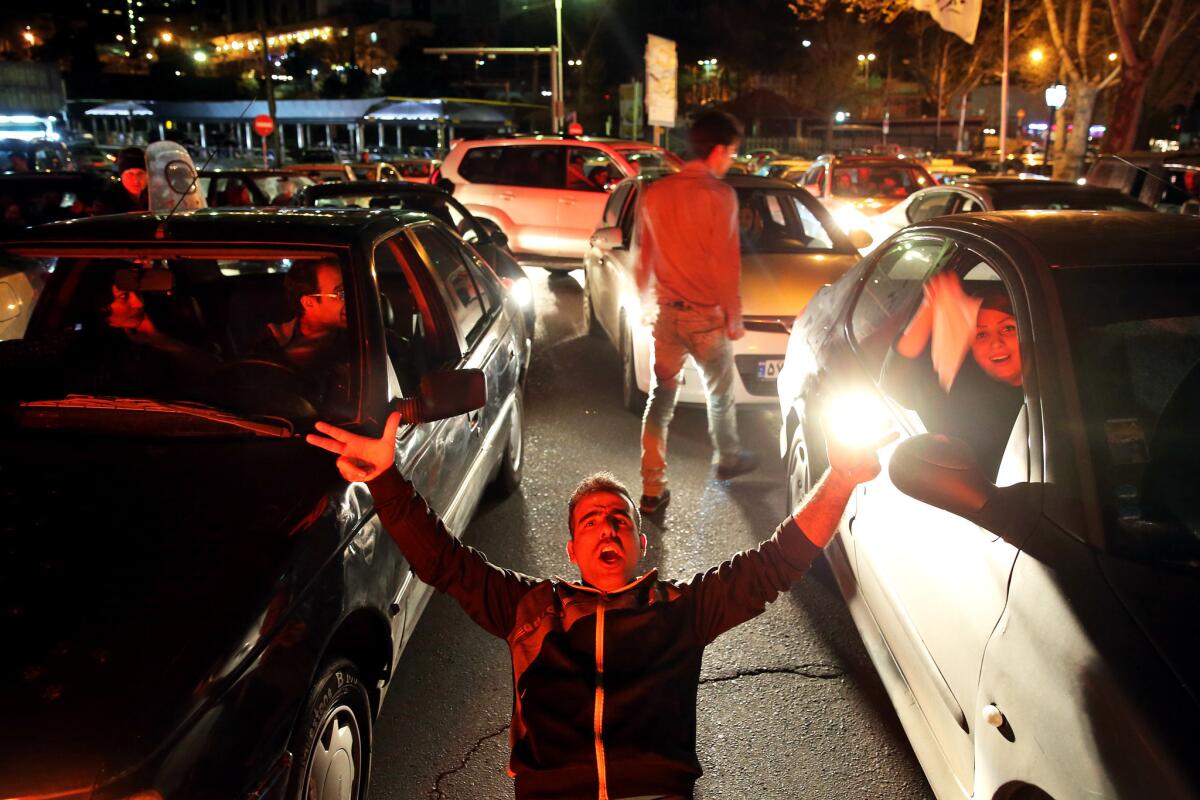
{"x":633,"y":398}
{"x":331,"y":744}
{"x":512,"y":461}
{"x":799,"y":478}
{"x":589,"y":312}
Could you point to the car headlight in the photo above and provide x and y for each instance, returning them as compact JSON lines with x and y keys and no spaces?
{"x":848,"y":218}
{"x":857,"y":418}
{"x":522,"y":292}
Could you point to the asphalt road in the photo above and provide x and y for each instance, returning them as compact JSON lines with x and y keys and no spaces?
{"x":789,"y":705}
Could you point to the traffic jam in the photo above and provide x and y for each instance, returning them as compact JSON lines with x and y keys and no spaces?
{"x":268,"y":400}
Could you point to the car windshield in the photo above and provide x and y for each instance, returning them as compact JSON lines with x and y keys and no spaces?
{"x":1135,"y":345}
{"x":184,"y":344}
{"x":273,"y":186}
{"x":778,"y":221}
{"x":1080,"y":198}
{"x":895,"y":181}
{"x":651,"y":162}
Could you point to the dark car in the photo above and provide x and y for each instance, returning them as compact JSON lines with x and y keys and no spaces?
{"x":1167,"y":181}
{"x":990,"y":193}
{"x":90,"y":158}
{"x":1025,"y":570}
{"x":489,"y":242}
{"x":196,"y":604}
{"x":318,"y":155}
{"x":223,"y":188}
{"x":33,"y":198}
{"x":34,"y":155}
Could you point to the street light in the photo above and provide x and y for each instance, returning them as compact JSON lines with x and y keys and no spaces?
{"x":1037,"y":55}
{"x":806,"y":43}
{"x":1056,"y":98}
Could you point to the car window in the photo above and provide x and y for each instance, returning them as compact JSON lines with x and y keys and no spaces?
{"x":969,"y":204}
{"x":457,"y":285}
{"x":612,"y":209}
{"x":220,"y":332}
{"x":1134,"y":336}
{"x":629,"y":215}
{"x":934,"y":204}
{"x":777,"y":221}
{"x":878,"y":180}
{"x":590,"y":170}
{"x":405,"y":325}
{"x":651,"y":161}
{"x":815,"y":178}
{"x":541,"y":166}
{"x":890,"y":294}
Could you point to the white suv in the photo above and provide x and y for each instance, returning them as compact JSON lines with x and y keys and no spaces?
{"x":547,"y":193}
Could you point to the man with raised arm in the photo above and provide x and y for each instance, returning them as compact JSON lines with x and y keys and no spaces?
{"x":605,"y":669}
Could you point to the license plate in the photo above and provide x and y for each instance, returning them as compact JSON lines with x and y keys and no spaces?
{"x":769,"y":370}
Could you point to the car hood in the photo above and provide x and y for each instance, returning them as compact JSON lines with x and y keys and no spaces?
{"x":131,"y":573}
{"x":1162,"y":601}
{"x":781,"y":284}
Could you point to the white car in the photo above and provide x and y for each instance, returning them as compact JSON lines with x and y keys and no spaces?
{"x":546,"y":193}
{"x":799,"y":251}
{"x":995,"y":194}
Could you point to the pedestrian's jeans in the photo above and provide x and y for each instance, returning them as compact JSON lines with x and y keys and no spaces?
{"x":699,"y":332}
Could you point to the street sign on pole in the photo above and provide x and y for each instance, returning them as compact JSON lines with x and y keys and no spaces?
{"x":264,"y":126}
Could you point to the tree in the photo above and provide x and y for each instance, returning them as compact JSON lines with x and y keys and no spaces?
{"x":1080,"y":33}
{"x":830,"y":81}
{"x":1141,"y":54}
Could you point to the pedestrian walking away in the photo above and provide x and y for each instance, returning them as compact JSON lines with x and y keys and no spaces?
{"x":687,"y":239}
{"x":605,"y":668}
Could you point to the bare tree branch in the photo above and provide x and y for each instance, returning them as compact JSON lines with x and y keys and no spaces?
{"x":1172,"y":30}
{"x":1109,"y":79}
{"x":1149,"y":20}
{"x":1129,"y":51}
{"x":1057,"y":37}
{"x":1081,"y":35}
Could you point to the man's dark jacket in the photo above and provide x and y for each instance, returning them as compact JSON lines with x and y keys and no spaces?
{"x":604,"y":683}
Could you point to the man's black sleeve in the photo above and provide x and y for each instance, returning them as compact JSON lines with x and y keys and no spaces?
{"x":486,"y":592}
{"x":739,"y":589}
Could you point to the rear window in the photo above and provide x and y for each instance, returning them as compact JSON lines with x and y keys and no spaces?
{"x":895,"y":181}
{"x":540,"y":166}
{"x":651,"y":161}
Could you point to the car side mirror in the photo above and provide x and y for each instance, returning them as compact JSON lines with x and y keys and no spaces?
{"x":941,"y":471}
{"x":860,"y":238}
{"x":445,"y":394}
{"x":608,"y":238}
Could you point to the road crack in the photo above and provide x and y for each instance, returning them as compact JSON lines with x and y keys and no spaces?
{"x":436,"y":792}
{"x":818,"y":671}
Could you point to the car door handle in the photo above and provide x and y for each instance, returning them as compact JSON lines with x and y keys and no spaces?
{"x":507,"y":195}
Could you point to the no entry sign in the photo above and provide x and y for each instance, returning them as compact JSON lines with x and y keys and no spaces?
{"x":264,"y":125}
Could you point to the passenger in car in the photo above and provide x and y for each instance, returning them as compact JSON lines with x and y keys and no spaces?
{"x":982,"y":398}
{"x":605,"y":669}
{"x":313,"y":338}
{"x":750,"y":227}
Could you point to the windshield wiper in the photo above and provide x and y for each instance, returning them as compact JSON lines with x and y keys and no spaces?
{"x":278,"y":427}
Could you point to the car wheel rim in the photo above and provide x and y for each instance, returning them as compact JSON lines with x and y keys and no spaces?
{"x":336,"y":758}
{"x":515,"y":438}
{"x":797,"y":477}
{"x":629,"y":384}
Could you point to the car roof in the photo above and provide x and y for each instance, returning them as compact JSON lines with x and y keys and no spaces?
{"x":1002,"y":182}
{"x":218,"y":171}
{"x":738,"y":180}
{"x":380,"y":188}
{"x":1088,"y":238}
{"x":258,"y":226}
{"x":558,"y":137}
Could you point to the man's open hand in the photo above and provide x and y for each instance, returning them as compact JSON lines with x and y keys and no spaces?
{"x":359,"y":458}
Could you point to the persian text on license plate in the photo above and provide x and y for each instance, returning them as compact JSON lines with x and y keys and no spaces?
{"x":769,"y":370}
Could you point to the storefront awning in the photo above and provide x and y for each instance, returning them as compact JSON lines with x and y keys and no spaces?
{"x":123,"y":108}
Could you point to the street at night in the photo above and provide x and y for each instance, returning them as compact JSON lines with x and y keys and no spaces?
{"x":789,"y":705}
{"x":600,"y":400}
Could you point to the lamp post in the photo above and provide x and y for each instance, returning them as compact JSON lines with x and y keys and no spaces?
{"x":1056,"y":98}
{"x":558,"y":67}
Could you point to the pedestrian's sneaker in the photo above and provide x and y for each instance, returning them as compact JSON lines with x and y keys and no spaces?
{"x":747,"y":461}
{"x":653,"y":503}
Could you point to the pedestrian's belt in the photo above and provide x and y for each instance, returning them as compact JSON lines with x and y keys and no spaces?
{"x":683,"y":305}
